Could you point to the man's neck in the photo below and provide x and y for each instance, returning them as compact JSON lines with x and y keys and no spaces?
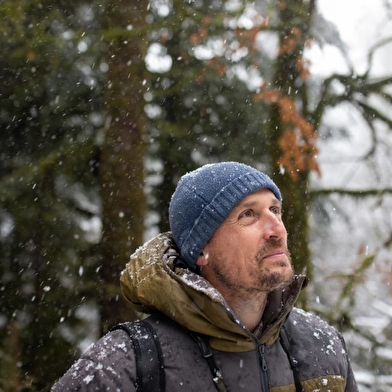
{"x":249,"y":311}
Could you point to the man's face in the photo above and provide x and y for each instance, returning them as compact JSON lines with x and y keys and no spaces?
{"x":248,"y":253}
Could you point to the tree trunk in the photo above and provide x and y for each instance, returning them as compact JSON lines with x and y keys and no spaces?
{"x":122,"y":168}
{"x":289,"y":81}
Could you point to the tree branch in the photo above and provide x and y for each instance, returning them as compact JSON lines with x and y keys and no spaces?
{"x":350,"y":192}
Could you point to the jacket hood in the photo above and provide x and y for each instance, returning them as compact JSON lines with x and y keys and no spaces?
{"x":151,"y":282}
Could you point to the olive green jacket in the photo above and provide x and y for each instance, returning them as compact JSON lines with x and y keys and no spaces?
{"x":181,"y":301}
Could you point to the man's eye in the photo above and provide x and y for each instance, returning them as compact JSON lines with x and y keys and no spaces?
{"x":276,"y":210}
{"x":247,"y":214}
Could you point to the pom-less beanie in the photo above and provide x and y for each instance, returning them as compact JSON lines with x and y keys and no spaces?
{"x":204,"y":198}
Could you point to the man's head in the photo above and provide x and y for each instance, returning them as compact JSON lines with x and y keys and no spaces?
{"x":204,"y":198}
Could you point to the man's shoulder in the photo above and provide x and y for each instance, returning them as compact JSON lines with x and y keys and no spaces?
{"x":98,"y":368}
{"x":299,"y":315}
{"x":113,"y":344}
{"x":309,"y":326}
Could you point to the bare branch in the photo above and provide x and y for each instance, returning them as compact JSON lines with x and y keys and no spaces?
{"x":375,"y":47}
{"x":374,"y":113}
{"x":360,"y":193}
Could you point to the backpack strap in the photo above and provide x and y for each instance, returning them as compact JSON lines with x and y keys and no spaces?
{"x":285,"y":342}
{"x":150,"y":371}
{"x":205,"y":349}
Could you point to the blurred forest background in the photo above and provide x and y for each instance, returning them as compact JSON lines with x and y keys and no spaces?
{"x":103,"y":106}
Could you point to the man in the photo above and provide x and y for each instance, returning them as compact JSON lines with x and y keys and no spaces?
{"x":221,"y":291}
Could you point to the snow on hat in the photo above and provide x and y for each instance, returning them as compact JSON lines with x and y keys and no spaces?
{"x":204,"y":198}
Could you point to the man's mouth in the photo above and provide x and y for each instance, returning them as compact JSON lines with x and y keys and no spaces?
{"x":274,"y":248}
{"x":276,"y":253}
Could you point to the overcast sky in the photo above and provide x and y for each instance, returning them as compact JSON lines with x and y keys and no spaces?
{"x":361,"y":23}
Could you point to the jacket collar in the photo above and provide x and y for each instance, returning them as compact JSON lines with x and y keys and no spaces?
{"x":279,"y":305}
{"x":152,"y":282}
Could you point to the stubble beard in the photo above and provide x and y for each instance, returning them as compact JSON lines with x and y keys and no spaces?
{"x":266,"y":280}
{"x":272,"y":280}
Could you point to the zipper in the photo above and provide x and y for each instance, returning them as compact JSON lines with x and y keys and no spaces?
{"x":264,"y":369}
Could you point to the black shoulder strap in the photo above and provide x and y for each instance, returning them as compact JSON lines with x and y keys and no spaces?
{"x":150,"y":372}
{"x":205,"y":349}
{"x":285,"y":341}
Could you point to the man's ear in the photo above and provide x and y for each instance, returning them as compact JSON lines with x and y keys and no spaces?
{"x":201,"y":260}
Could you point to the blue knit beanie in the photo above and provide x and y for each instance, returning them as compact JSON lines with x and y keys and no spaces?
{"x":204,"y":198}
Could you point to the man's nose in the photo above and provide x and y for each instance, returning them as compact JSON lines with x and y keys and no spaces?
{"x":273,"y":227}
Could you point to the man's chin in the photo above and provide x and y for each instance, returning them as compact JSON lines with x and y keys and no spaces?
{"x":279,"y":280}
